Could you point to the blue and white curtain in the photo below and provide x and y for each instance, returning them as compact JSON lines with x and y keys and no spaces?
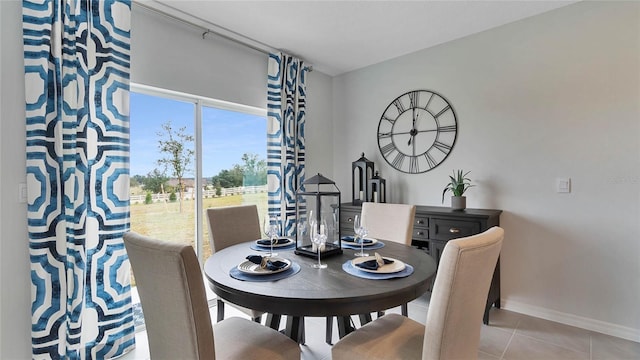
{"x":76,"y":56}
{"x":286,"y":112}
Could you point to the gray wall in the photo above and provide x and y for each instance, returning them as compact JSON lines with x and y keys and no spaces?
{"x":15,"y":333}
{"x":556,"y":95}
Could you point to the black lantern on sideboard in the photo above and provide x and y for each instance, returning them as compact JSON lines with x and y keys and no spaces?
{"x":377,"y":189}
{"x":319,"y":197}
{"x":361,"y":172}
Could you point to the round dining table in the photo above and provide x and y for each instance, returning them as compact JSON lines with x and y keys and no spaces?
{"x":319,"y":292}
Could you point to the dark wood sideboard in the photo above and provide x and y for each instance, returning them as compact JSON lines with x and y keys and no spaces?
{"x":434,"y":226}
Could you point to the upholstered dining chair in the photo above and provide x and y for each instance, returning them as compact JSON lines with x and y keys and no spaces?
{"x":230,"y":225}
{"x":454,"y":317}
{"x":178,"y":324}
{"x":388,"y":222}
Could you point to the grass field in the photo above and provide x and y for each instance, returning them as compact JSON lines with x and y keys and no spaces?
{"x":164,"y":221}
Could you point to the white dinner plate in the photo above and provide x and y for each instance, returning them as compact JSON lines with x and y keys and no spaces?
{"x":289,"y":242}
{"x":394,"y":267}
{"x":353,"y":243}
{"x":248,"y":267}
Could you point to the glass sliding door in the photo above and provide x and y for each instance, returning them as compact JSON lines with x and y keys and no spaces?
{"x":233,"y":160}
{"x":162,"y":167}
{"x":190,"y":153}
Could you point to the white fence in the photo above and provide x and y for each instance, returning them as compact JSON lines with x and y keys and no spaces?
{"x":189,"y":194}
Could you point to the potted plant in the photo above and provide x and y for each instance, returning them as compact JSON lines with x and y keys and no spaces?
{"x":458,"y":185}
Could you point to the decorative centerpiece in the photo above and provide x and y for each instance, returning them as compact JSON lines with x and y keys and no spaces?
{"x":318,"y":211}
{"x":458,"y":185}
{"x":361,"y":173}
{"x":377,"y":189}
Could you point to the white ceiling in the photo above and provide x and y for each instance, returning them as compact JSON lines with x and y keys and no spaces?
{"x":339,"y":36}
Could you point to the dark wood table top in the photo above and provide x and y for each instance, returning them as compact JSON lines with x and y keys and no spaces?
{"x":320,"y":292}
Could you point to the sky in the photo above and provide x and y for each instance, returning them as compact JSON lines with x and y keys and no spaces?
{"x":226,"y":135}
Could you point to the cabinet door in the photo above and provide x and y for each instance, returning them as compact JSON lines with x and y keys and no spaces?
{"x":347,"y":217}
{"x":434,"y":249}
{"x":442,"y":229}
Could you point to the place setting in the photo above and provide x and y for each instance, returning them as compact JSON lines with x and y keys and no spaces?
{"x":264,"y":268}
{"x":377,"y":267}
{"x":280,"y":244}
{"x":270,"y":267}
{"x":360,"y":241}
{"x":274,"y":240}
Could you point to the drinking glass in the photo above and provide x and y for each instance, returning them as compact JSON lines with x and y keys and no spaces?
{"x":361,"y":231}
{"x":271,"y":230}
{"x":319,"y":237}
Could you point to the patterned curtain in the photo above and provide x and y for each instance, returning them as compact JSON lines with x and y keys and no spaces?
{"x":77,"y":113}
{"x":286,"y":112}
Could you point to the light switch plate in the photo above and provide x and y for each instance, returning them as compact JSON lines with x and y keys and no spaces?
{"x":22,"y":193}
{"x":563,"y":185}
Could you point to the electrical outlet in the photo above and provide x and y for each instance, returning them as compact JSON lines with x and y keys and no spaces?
{"x":563,"y":185}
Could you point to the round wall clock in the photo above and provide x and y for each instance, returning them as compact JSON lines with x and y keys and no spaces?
{"x":417,"y":131}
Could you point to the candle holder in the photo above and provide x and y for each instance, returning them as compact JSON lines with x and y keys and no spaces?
{"x":361,"y":172}
{"x":377,"y":189}
{"x":323,"y":202}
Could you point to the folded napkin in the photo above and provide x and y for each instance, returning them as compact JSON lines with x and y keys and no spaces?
{"x":374,"y":264}
{"x":351,"y":239}
{"x":265,"y":263}
{"x":267,"y":242}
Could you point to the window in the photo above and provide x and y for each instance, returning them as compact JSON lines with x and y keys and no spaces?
{"x":224,"y":143}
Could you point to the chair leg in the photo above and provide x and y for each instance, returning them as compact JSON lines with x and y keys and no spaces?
{"x":405,"y":310}
{"x":329,"y":333}
{"x":220,"y":305}
{"x":364,"y":319}
{"x":273,"y":321}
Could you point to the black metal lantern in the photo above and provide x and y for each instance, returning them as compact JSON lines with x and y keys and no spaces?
{"x":319,"y":198}
{"x":377,"y":189}
{"x":361,"y":172}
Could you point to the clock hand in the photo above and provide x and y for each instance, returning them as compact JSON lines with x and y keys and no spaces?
{"x":430,"y":130}
{"x":413,"y":128}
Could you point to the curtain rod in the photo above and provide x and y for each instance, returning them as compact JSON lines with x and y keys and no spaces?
{"x":219,"y":31}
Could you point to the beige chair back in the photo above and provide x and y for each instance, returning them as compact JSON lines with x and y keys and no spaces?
{"x":232,"y":225}
{"x":459,"y":296}
{"x":391,"y":222}
{"x":173,"y":298}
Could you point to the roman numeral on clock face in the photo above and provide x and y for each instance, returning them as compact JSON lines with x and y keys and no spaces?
{"x":414,"y":97}
{"x":448,"y":128}
{"x":387,"y":149}
{"x":398,"y":160}
{"x":442,"y":147}
{"x":442,"y":111}
{"x":385,"y":117}
{"x":430,"y":160}
{"x":399,"y":105}
{"x":414,"y":167}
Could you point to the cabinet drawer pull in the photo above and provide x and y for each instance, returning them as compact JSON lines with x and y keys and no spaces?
{"x":420,"y":233}
{"x":349,"y":219}
{"x":454,"y":230}
{"x":419,"y":222}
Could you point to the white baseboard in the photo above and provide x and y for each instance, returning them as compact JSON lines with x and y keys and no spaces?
{"x":573,"y":320}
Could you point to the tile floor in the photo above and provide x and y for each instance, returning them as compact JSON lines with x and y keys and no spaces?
{"x":510,"y":336}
